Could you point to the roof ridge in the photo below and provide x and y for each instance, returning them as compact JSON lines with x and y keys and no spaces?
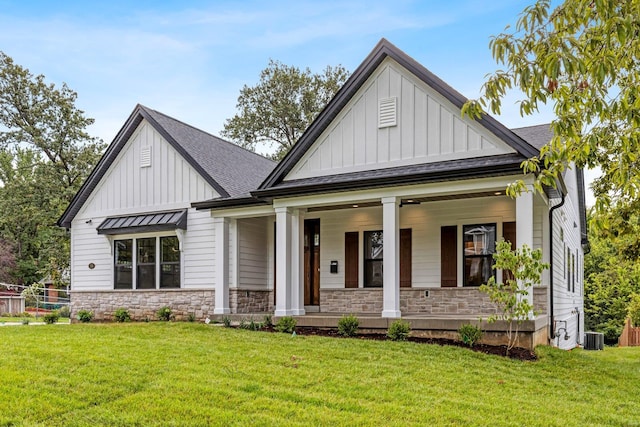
{"x":531,"y":126}
{"x":204,"y":132}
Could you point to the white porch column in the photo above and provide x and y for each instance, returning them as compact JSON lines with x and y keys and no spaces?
{"x":221,"y":226}
{"x":283,"y":258}
{"x":391,"y":257}
{"x":524,"y":225}
{"x":297,"y":256}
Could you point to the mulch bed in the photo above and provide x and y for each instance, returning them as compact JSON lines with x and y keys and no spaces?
{"x":498,"y":350}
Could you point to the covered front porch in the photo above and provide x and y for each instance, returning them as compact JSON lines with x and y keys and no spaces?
{"x":389,"y":252}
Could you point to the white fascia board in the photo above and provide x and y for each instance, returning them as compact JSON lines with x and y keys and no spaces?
{"x":408,"y":191}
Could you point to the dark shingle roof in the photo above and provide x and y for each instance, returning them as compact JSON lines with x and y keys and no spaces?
{"x":412,"y":174}
{"x":231,"y":170}
{"x":235,"y":169}
{"x":537,"y":135}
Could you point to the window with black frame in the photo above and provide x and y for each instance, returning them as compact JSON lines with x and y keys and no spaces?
{"x":479,"y":245}
{"x":373,"y":258}
{"x":146,"y":263}
{"x":123,"y":264}
{"x":169,"y":262}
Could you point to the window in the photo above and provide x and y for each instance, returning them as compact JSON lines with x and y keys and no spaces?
{"x":373,"y":257}
{"x":151,"y":271}
{"x":123,"y":264}
{"x":479,"y":243}
{"x":170,"y":262}
{"x":568,"y":269}
{"x":573,"y":273}
{"x":146,"y":265}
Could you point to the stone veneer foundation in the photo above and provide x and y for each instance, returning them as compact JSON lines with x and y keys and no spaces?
{"x":434,"y":301}
{"x":143,"y":304}
{"x":243,"y":301}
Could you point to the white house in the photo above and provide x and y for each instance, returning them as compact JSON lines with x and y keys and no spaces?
{"x":389,"y":206}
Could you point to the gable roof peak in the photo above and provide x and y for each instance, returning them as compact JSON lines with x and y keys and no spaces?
{"x":380,"y":52}
{"x":214,"y":158}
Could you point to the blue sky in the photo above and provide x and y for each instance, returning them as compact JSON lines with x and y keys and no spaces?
{"x":189,"y":59}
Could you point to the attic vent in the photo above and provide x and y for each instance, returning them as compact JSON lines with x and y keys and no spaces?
{"x":387,"y":112}
{"x":145,"y":157}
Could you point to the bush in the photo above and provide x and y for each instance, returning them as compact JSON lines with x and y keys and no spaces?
{"x":399,"y":331}
{"x":85,"y":316}
{"x":348,"y":326}
{"x":470,"y":334}
{"x":191,"y":317}
{"x":226,"y":321}
{"x":164,"y":313}
{"x":251,"y":325}
{"x":122,"y":315}
{"x":286,"y":325}
{"x":51,"y":318}
{"x":268,"y":321}
{"x":25,"y":321}
{"x":64,"y":311}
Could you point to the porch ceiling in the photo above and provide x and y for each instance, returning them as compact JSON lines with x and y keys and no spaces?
{"x":408,"y":201}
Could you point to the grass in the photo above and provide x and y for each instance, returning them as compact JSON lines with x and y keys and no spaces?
{"x":193,"y":374}
{"x":5,"y":319}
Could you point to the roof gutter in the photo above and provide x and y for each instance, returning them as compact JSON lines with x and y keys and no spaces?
{"x":563,"y":192}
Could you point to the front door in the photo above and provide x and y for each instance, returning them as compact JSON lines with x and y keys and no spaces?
{"x":312,"y":262}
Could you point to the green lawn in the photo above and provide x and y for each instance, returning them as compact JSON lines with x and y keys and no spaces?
{"x":194,"y":374}
{"x":6,"y":319}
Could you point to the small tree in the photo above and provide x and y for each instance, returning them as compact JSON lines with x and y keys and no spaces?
{"x":525,"y":267}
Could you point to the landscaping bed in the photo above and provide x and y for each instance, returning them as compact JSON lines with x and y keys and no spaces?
{"x":498,"y":350}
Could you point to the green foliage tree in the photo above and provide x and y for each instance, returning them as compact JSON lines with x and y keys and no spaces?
{"x":525,"y":267}
{"x":281,"y":106}
{"x":634,"y":310}
{"x":611,"y":272}
{"x":581,"y":57}
{"x":45,"y":155}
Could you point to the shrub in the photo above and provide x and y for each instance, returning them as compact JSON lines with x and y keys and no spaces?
{"x":348,"y":326}
{"x":122,"y":315}
{"x":25,"y":321}
{"x":226,"y":321}
{"x":399,"y":331}
{"x":191,"y":317}
{"x":85,"y":316}
{"x":251,"y":325}
{"x":164,"y":313}
{"x":470,"y":334}
{"x":286,"y":325}
{"x":51,"y":318}
{"x":268,"y":321}
{"x":64,"y":311}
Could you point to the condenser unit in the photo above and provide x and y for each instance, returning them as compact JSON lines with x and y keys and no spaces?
{"x":593,"y":341}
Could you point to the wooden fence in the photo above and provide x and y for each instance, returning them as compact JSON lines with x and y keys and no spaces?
{"x":630,"y":335}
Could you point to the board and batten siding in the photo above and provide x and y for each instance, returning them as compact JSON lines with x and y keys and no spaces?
{"x":168,"y":183}
{"x":429,"y":129}
{"x":253,"y":249}
{"x":424,"y":220}
{"x":568,"y":303}
{"x":128,"y":188}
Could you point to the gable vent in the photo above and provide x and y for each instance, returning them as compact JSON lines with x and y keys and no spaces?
{"x":387,"y":112}
{"x":145,"y":157}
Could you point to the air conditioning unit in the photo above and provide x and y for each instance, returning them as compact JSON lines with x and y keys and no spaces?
{"x":593,"y":341}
